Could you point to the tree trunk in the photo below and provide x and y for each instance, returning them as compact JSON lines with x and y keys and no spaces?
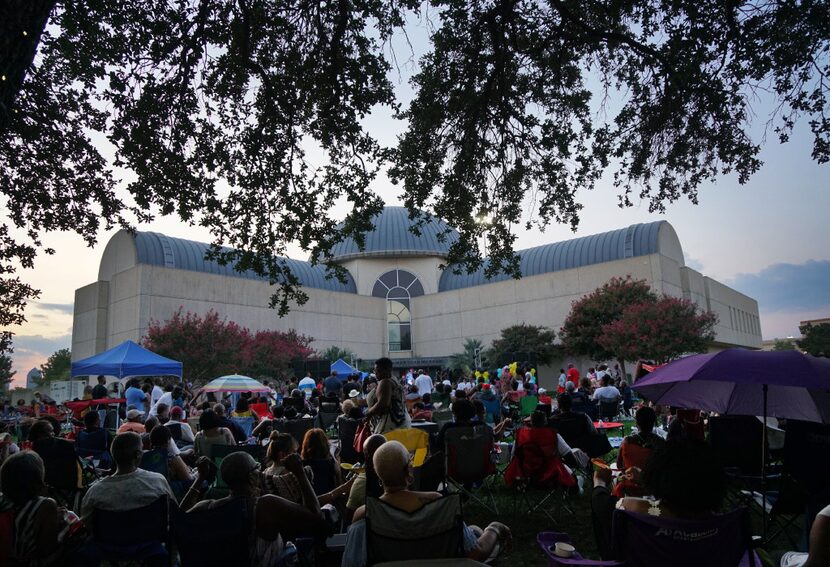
{"x":622,"y":370}
{"x":21,"y":24}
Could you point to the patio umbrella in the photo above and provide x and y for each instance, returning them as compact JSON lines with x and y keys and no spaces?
{"x":782,"y":384}
{"x":234,"y":383}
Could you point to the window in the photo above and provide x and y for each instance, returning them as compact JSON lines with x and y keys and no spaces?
{"x":398,"y":287}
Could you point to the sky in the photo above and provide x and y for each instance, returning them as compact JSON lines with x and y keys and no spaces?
{"x":769,"y":239}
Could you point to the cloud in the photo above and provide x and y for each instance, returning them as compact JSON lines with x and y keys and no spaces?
{"x":30,"y":351}
{"x":65,"y":308}
{"x":788,"y":287}
{"x":692,"y":263}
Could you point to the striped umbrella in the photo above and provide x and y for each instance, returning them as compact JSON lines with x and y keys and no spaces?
{"x":235,"y":383}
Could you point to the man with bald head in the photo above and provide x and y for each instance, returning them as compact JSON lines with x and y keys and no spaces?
{"x":130,"y":487}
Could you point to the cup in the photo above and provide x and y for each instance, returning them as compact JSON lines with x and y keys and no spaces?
{"x":563,"y":549}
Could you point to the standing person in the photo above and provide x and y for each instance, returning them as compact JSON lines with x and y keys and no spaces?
{"x":424,"y":383}
{"x":562,"y":379}
{"x":387,"y":410}
{"x":332,"y":384}
{"x":100,"y":390}
{"x":156,"y":392}
{"x":135,"y":397}
{"x":307,"y":384}
{"x":573,"y":374}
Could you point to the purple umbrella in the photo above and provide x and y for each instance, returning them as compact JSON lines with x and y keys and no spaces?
{"x":783,"y":384}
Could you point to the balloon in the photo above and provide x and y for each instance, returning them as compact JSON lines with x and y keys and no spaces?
{"x":478,"y":374}
{"x":499,"y":372}
{"x":486,"y":375}
{"x":513,"y":367}
{"x":533,"y":371}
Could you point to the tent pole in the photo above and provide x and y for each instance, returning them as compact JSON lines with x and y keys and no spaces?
{"x":764,"y":468}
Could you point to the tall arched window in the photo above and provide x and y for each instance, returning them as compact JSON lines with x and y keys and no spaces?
{"x":398,"y":287}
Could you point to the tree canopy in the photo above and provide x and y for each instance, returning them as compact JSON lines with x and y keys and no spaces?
{"x":815,"y":339}
{"x":521,"y":343}
{"x":57,"y":367}
{"x":210,"y":110}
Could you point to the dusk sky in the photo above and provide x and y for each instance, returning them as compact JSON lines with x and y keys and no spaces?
{"x":769,"y":239}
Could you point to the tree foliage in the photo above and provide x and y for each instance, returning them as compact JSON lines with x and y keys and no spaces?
{"x":209,"y":347}
{"x":524,"y":341}
{"x":57,"y":367}
{"x":467,"y":360}
{"x":783,"y":344}
{"x":6,"y":372}
{"x":215,"y":109}
{"x":335,"y":352}
{"x":584,"y":325}
{"x":625,"y":320}
{"x":660,"y":331}
{"x":816,"y":339}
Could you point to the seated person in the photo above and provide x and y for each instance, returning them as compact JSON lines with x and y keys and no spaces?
{"x":134,"y":423}
{"x":36,"y":524}
{"x":265,"y":427}
{"x":316,"y":454}
{"x":392,"y":464}
{"x":277,"y":478}
{"x":606,"y":393}
{"x":160,"y":440}
{"x":94,"y":439}
{"x":236,"y":430}
{"x":243,"y":409}
{"x":130,"y":487}
{"x":180,"y":430}
{"x":63,"y":469}
{"x":366,"y":483}
{"x":554,"y":470}
{"x":211,"y":432}
{"x":577,"y":429}
{"x":819,"y":545}
{"x":419,"y":412}
{"x":636,"y":450}
{"x":273,"y":519}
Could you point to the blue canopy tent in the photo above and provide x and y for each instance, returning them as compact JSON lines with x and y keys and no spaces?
{"x":343,"y":369}
{"x":127,"y":359}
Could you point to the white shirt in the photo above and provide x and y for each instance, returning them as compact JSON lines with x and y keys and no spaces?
{"x":187,"y":432}
{"x":157,"y":393}
{"x":166,"y":398}
{"x":424,"y":383}
{"x":307,"y":384}
{"x":606,"y":394}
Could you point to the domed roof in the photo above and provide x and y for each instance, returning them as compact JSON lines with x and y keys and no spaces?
{"x":392,"y":237}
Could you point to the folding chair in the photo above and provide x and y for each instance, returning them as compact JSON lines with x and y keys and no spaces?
{"x":64,"y":470}
{"x":536,"y":464}
{"x":587,"y":407}
{"x":527,"y":405}
{"x":431,"y":532}
{"x":327,"y":416}
{"x":219,"y":452}
{"x":493,"y":409}
{"x":651,"y":541}
{"x":225,"y":528}
{"x":608,"y":411}
{"x":146,"y":540}
{"x":468,"y":462}
{"x":442,"y":416}
{"x":94,"y":447}
{"x":346,"y":429}
{"x":245,"y":423}
{"x":295,"y":427}
{"x":415,"y":440}
{"x":155,"y":461}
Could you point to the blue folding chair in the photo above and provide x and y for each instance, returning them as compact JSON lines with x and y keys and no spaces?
{"x":245,"y":423}
{"x":225,"y":527}
{"x":140,"y":534}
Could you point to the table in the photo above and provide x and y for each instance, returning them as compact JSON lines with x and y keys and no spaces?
{"x":428,"y":426}
{"x":604,"y":426}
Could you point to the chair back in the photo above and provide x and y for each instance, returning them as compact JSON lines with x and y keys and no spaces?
{"x":415,"y":440}
{"x":737,"y":440}
{"x":324,"y":477}
{"x":432,"y":532}
{"x":493,"y":409}
{"x":536,"y":459}
{"x":94,"y":441}
{"x":646,"y":540}
{"x":216,"y":537}
{"x":527,"y":405}
{"x":296,"y":403}
{"x":155,"y":460}
{"x":175,"y":431}
{"x":146,"y":536}
{"x":260,"y":409}
{"x":609,"y":410}
{"x":442,"y":416}
{"x":468,"y":451}
{"x":346,"y":429}
{"x":327,"y":416}
{"x":63,"y":469}
{"x":295,"y":427}
{"x":587,"y":407}
{"x":245,"y":423}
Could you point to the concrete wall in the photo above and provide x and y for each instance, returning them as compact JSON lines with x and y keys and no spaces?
{"x":738,"y":321}
{"x":366,"y":271}
{"x":89,"y":323}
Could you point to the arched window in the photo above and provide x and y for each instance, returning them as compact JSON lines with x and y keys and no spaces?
{"x":398,"y":287}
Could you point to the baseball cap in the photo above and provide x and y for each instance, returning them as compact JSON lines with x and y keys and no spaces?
{"x":133,"y":413}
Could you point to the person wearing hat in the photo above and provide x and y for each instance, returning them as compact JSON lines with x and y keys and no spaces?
{"x":133,"y":423}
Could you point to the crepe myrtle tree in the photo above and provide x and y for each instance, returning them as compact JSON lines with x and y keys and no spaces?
{"x":212,"y":107}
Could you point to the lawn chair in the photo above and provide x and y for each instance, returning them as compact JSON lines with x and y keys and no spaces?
{"x":415,"y":440}
{"x":536,"y":464}
{"x":94,"y":446}
{"x":493,"y":409}
{"x":527,"y":405}
{"x":643,"y":540}
{"x":587,"y":407}
{"x":219,"y":452}
{"x":146,"y":540}
{"x":442,"y":416}
{"x":261,"y":409}
{"x":469,"y":464}
{"x":295,"y":427}
{"x":177,"y":435}
{"x":573,"y":430}
{"x":327,"y":416}
{"x":431,"y":532}
{"x":63,"y":471}
{"x":346,"y":429}
{"x":245,"y":423}
{"x":608,"y":411}
{"x":155,"y":461}
{"x":225,"y":529}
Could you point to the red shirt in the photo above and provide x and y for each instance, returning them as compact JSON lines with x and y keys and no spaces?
{"x":573,"y":376}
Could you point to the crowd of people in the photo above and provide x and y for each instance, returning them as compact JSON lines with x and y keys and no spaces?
{"x":298,"y":487}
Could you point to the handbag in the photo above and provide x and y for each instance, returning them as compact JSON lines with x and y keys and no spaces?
{"x":360,"y":435}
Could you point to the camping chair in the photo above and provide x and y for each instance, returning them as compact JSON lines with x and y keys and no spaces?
{"x":261,"y":409}
{"x":93,"y":446}
{"x":327,"y":416}
{"x":146,"y":540}
{"x":527,"y":405}
{"x":608,"y":411}
{"x":651,"y":541}
{"x":155,"y":461}
{"x":176,"y":435}
{"x":587,"y":407}
{"x":219,"y":452}
{"x":245,"y":423}
{"x":442,"y":416}
{"x":346,"y":429}
{"x":493,"y":409}
{"x":225,"y":529}
{"x":295,"y":427}
{"x":64,"y":471}
{"x":574,"y":434}
{"x":415,"y":440}
{"x":468,"y":462}
{"x":536,"y":464}
{"x":431,"y":532}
